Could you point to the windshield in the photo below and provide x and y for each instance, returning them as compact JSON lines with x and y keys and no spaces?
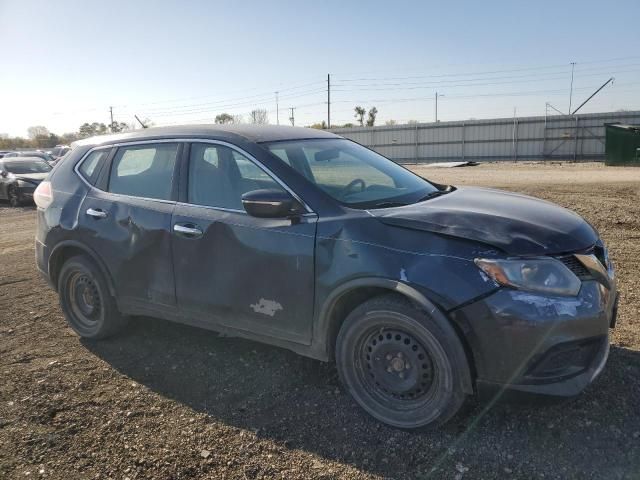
{"x":353,"y":175}
{"x":24,"y":167}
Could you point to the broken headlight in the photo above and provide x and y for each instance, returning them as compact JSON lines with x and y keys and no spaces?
{"x":545,"y":275}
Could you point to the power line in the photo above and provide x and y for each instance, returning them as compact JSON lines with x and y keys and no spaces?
{"x":541,"y":67}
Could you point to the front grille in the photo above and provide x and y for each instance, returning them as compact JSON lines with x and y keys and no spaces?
{"x":573,"y":264}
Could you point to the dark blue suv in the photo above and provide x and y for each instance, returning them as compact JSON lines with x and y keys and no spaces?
{"x":422,"y":293}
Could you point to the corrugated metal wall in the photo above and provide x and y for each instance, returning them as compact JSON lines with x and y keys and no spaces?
{"x":527,"y":138}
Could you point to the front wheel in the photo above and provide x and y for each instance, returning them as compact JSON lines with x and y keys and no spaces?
{"x":399,"y":364}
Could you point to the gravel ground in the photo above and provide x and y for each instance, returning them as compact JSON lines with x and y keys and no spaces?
{"x":166,"y":401}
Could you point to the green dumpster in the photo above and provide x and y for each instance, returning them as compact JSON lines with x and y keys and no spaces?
{"x":622,"y":145}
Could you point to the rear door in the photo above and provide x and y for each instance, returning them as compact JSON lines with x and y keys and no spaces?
{"x":126,"y":219}
{"x":252,"y":274}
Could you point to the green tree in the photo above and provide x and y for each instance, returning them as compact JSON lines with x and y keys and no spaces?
{"x":224,"y":118}
{"x":373,"y":112}
{"x":360,"y":112}
{"x":117,"y":127}
{"x":320,"y":125}
{"x":92,"y":129}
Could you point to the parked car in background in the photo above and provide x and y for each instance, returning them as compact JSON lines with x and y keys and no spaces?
{"x":59,"y":151}
{"x":34,"y":153}
{"x":4,"y":152}
{"x":422,"y":293}
{"x":19,"y":177}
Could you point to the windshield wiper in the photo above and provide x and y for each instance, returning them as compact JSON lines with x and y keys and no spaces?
{"x":435,"y":194}
{"x":390,"y":204}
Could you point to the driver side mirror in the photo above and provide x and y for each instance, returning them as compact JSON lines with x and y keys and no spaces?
{"x":271,"y":204}
{"x":3,"y":173}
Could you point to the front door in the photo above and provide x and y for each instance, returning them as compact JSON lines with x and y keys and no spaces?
{"x":251,"y":274}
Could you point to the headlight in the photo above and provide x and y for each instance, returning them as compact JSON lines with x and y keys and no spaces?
{"x":546,"y":275}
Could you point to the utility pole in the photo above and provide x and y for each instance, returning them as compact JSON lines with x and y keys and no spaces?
{"x":441,"y":95}
{"x":514,"y":136}
{"x":111,"y":114}
{"x":573,"y":65}
{"x":328,"y":100}
{"x":292,"y":118}
{"x":277,"y":110}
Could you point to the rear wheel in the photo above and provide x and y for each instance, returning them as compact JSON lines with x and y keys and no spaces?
{"x":399,"y":364}
{"x":85,"y":300}
{"x":14,"y":196}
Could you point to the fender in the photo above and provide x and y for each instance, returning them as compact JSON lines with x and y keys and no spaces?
{"x":80,"y":246}
{"x":323,"y":328}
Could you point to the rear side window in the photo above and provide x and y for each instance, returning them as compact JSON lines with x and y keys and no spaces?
{"x":144,"y":171}
{"x":91,"y":166}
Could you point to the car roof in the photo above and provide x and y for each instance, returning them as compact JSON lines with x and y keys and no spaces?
{"x":252,"y":133}
{"x":21,"y":159}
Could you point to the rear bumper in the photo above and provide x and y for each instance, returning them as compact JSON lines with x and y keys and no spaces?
{"x":535,"y":344}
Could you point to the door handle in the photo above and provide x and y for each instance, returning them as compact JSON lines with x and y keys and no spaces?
{"x":96,"y":213}
{"x":187,"y":231}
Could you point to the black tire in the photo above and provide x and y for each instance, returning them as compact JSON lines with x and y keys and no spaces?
{"x":85,"y":300}
{"x":401,"y":365}
{"x":13,"y":196}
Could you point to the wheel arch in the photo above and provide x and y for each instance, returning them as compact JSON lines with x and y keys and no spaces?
{"x":70,"y":248}
{"x":349,"y":295}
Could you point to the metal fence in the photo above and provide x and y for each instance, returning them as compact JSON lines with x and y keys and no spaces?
{"x":577,"y":137}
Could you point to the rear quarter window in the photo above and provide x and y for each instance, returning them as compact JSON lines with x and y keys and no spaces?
{"x":91,"y":166}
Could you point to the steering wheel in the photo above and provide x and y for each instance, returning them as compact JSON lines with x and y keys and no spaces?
{"x":358,"y":181}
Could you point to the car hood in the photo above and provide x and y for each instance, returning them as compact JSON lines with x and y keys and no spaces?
{"x":515,"y":223}
{"x":34,"y":178}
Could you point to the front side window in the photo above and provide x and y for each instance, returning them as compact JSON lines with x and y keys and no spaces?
{"x":219,"y":176}
{"x":144,"y":170}
{"x":352,"y":174}
{"x":25,"y":167}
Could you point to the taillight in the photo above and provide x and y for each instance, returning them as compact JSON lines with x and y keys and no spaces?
{"x":43,"y":195}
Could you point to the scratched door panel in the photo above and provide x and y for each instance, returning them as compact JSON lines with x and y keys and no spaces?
{"x":248,"y":273}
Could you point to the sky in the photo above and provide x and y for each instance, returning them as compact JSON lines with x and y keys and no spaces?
{"x":65,"y":62}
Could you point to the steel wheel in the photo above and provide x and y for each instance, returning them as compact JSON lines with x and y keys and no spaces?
{"x":400,"y":364}
{"x":397,"y":365}
{"x":85,"y":299}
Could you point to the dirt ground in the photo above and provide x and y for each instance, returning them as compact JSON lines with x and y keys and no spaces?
{"x":166,"y":401}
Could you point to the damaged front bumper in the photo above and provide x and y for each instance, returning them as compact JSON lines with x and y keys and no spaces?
{"x":540,"y":344}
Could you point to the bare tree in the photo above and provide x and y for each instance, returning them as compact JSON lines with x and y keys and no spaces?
{"x":373,"y":112}
{"x":37,"y":131}
{"x":360,"y":115}
{"x":259,"y":116}
{"x":390,"y":122}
